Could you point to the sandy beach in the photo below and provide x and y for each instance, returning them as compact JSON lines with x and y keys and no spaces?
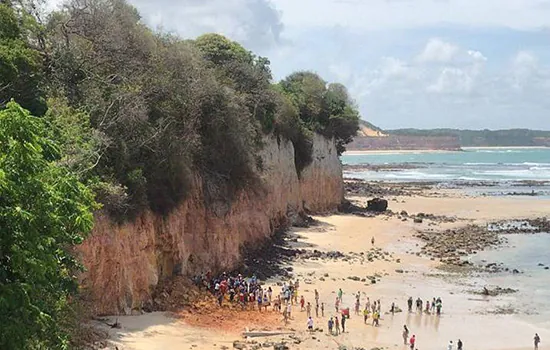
{"x":400,"y":274}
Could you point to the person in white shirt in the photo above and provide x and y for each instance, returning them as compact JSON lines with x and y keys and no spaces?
{"x":310,"y":324}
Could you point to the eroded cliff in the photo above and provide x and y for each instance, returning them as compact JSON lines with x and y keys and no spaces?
{"x":125,"y":262}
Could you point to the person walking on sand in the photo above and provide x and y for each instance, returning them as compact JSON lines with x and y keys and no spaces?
{"x":537,"y":341}
{"x":310,"y":324}
{"x":410,"y":304}
{"x":405,"y":334}
{"x":330,"y":325}
{"x":450,"y":346}
{"x":316,"y":297}
{"x":302,"y":303}
{"x":412,"y":342}
{"x":308,"y":309}
{"x":459,"y":345}
{"x":289,"y":310}
{"x":337,"y":325}
{"x":343,"y":324}
{"x":322,"y":309}
{"x":337,"y":304}
{"x":357,"y":307}
{"x":340,"y":294}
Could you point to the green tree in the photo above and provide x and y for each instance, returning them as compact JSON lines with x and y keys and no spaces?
{"x":44,"y":212}
{"x":20,"y":65}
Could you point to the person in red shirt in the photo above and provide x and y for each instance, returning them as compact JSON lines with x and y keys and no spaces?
{"x":412,"y":341}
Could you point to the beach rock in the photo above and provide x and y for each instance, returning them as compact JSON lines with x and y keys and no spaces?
{"x":399,"y":270}
{"x":418,"y":220}
{"x":237,"y":344}
{"x":377,"y":205}
{"x":280,"y":346}
{"x":354,"y":278}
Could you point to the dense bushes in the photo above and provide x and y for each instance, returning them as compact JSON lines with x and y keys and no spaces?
{"x":138,"y":113}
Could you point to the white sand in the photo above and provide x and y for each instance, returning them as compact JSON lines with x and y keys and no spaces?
{"x":462,"y":312}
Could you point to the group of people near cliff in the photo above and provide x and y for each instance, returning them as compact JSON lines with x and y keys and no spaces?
{"x":434,"y":307}
{"x":248,"y":292}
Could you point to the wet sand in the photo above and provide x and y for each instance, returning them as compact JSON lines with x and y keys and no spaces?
{"x":465,"y":315}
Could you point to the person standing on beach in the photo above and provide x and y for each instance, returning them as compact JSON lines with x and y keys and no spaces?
{"x":316,"y":297}
{"x":289,"y":310}
{"x":310,"y":324}
{"x":366,"y":314}
{"x":357,"y":307}
{"x":337,"y":304}
{"x":317,"y":310}
{"x":302,"y":303}
{"x":330,"y":325}
{"x":372,"y":240}
{"x":405,"y":334}
{"x":410,"y":304}
{"x":459,"y":345}
{"x":367,"y":305}
{"x":308,"y":309}
{"x":340,"y":294}
{"x":450,"y":346}
{"x":343,"y":324}
{"x":337,"y":325}
{"x":322,"y":309}
{"x":537,"y":341}
{"x":392,"y":309}
{"x":412,"y":341}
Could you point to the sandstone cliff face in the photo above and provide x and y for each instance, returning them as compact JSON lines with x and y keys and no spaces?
{"x":125,"y":262}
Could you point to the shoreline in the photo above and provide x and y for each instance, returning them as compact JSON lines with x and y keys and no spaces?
{"x":401,"y":273}
{"x":397,"y":151}
{"x":421,"y":151}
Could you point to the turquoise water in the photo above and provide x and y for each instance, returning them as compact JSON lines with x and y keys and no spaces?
{"x":480,"y":164}
{"x":523,"y":252}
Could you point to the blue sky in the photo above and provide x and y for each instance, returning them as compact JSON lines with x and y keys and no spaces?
{"x":407,"y":63}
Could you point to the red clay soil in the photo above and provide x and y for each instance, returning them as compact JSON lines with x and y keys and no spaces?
{"x":200,"y":309}
{"x":230,"y":319}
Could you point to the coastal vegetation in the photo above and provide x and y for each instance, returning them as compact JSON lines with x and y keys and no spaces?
{"x":95,"y":107}
{"x":483,"y":138}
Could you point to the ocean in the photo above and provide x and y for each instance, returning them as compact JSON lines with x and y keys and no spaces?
{"x":503,"y":170}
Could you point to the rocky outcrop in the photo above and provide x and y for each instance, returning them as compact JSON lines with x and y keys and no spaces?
{"x":125,"y":262}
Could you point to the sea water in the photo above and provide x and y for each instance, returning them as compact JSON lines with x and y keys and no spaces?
{"x":530,"y":254}
{"x":507,"y":170}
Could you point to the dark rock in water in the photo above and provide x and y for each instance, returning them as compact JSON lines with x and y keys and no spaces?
{"x":515,"y":271}
{"x":546,"y":267}
{"x":404,"y":213}
{"x":377,"y":204}
{"x":541,"y":264}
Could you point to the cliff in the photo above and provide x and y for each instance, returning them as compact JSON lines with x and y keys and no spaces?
{"x":125,"y":262}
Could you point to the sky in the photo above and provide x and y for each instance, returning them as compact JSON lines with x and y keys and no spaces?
{"x":407,"y":63}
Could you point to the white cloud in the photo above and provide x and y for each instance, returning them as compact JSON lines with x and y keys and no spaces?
{"x":437,"y":50}
{"x":383,"y":14}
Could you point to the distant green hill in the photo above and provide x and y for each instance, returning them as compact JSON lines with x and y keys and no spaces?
{"x":484,"y":138}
